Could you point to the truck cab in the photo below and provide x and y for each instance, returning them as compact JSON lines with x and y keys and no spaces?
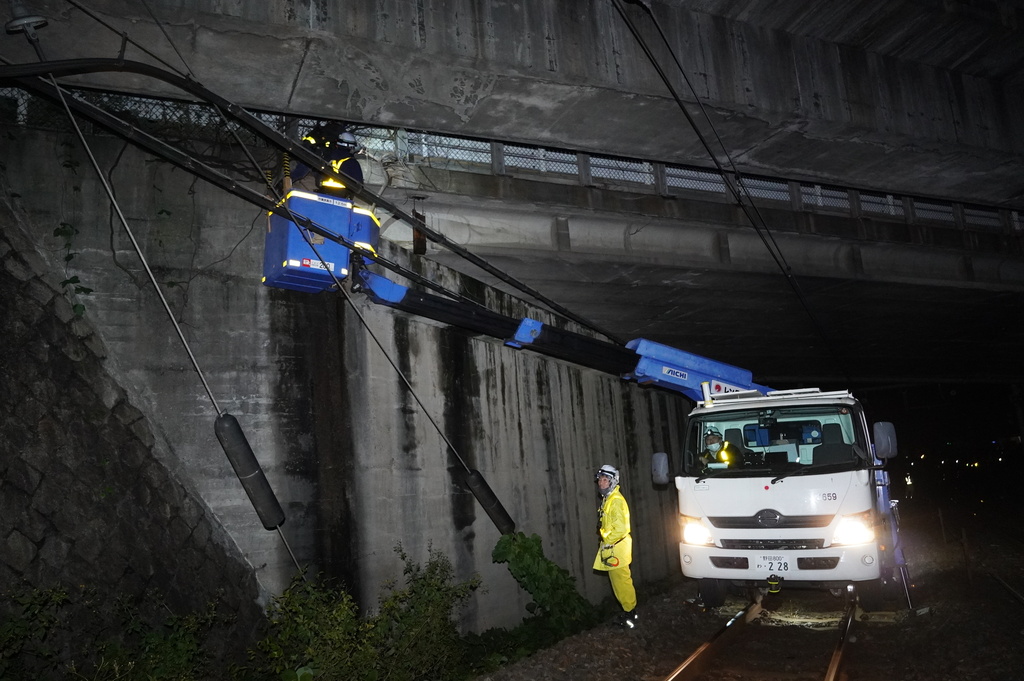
{"x":795,"y":497}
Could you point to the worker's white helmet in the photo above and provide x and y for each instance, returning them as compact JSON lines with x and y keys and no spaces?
{"x":610,"y":472}
{"x":713,"y":432}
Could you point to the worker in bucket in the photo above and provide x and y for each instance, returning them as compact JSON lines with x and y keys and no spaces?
{"x":616,"y":550}
{"x":336,"y":145}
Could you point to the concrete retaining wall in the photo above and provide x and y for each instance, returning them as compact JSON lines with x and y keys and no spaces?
{"x":353,"y":457}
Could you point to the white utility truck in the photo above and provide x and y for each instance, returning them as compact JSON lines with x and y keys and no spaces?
{"x":795,"y":497}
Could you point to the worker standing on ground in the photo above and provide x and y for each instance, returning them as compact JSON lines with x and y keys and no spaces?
{"x":616,"y":551}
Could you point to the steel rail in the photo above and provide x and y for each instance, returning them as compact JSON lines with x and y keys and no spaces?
{"x":1009,"y":588}
{"x":697,"y":663}
{"x":844,"y":636}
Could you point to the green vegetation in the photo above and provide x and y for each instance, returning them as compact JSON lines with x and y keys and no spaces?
{"x":33,"y":646}
{"x":314,"y":630}
{"x":557,"y":610}
{"x":67,"y":232}
{"x":557,"y":606}
{"x":23,"y":634}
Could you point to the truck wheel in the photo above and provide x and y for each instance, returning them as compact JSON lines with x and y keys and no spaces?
{"x":712,"y":593}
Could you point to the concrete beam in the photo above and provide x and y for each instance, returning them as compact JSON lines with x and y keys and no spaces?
{"x":787,"y":94}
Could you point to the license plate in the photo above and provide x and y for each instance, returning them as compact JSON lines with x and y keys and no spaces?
{"x":318,"y":264}
{"x":772,"y":563}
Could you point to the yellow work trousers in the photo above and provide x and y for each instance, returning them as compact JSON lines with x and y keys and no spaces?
{"x":622,"y":587}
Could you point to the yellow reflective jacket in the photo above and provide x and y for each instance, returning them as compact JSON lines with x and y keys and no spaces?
{"x":616,"y":548}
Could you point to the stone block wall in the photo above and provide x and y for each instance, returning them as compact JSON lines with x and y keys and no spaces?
{"x":86,"y":503}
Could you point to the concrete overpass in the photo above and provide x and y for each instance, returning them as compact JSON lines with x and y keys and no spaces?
{"x":869,"y":104}
{"x":915,"y":97}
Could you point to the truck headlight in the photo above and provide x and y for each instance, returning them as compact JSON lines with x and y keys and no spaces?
{"x":694,"y":532}
{"x":854,"y":529}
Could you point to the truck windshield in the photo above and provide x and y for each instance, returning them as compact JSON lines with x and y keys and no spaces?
{"x":777,"y":442}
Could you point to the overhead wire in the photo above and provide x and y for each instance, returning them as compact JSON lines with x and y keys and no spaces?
{"x":373,"y":198}
{"x":362,"y":319}
{"x":138,"y":250}
{"x":170,"y":42}
{"x":401,"y":374}
{"x":124,"y":36}
{"x":192,"y":165}
{"x":33,"y":40}
{"x":310,"y":242}
{"x":739,"y":191}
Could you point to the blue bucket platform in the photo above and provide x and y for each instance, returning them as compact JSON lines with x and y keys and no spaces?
{"x":289,"y":262}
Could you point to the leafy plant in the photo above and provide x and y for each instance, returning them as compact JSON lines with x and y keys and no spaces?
{"x":413,"y":633}
{"x":557,"y":605}
{"x":174,"y":651}
{"x":58,"y":635}
{"x":67,"y":232}
{"x":24,"y":631}
{"x":315,"y":630}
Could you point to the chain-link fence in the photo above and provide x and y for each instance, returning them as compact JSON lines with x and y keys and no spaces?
{"x":442,"y":151}
{"x":192,"y":124}
{"x":983,"y":218}
{"x":766,"y":190}
{"x":540,"y":160}
{"x":817,"y":196}
{"x":692,"y":179}
{"x":933,"y":211}
{"x":166,"y":119}
{"x":621,"y":170}
{"x":881,"y":204}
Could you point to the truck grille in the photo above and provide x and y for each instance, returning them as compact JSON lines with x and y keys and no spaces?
{"x":769,"y":519}
{"x":772,"y":544}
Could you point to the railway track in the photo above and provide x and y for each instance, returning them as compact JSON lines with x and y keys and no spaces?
{"x":721,"y":654}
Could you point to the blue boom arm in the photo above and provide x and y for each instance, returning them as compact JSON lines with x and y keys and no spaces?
{"x":642,"y":360}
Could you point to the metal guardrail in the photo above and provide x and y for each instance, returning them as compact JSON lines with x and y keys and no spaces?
{"x":980,"y":227}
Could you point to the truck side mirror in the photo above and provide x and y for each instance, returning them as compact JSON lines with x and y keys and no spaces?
{"x":659,"y":468}
{"x":885,"y":439}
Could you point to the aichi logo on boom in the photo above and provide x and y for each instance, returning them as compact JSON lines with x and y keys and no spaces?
{"x":675,"y":373}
